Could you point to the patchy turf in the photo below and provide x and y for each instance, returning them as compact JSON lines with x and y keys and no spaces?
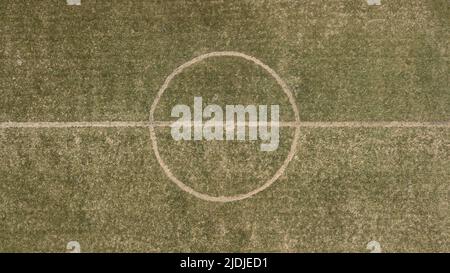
{"x":344,"y":188}
{"x":106,"y":60}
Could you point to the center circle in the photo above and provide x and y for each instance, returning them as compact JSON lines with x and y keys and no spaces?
{"x":268,"y":182}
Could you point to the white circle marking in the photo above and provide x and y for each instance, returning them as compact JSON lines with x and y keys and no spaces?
{"x":277,"y":174}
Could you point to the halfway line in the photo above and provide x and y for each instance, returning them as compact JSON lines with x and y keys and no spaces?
{"x":311,"y":124}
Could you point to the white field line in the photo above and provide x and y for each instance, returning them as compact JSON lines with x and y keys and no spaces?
{"x":376,"y":124}
{"x":81,"y":124}
{"x":313,"y":124}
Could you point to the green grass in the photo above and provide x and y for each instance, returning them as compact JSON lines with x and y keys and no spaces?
{"x":88,"y":62}
{"x":106,"y":60}
{"x":344,"y":188}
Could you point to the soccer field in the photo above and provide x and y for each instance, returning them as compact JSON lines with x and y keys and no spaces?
{"x":88,"y":150}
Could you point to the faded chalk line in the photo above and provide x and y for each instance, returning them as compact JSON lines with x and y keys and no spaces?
{"x":302,"y":124}
{"x":374,"y":124}
{"x":285,"y":90}
{"x":80,"y":124}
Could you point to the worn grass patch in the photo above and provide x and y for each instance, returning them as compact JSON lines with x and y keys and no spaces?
{"x":106,"y":60}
